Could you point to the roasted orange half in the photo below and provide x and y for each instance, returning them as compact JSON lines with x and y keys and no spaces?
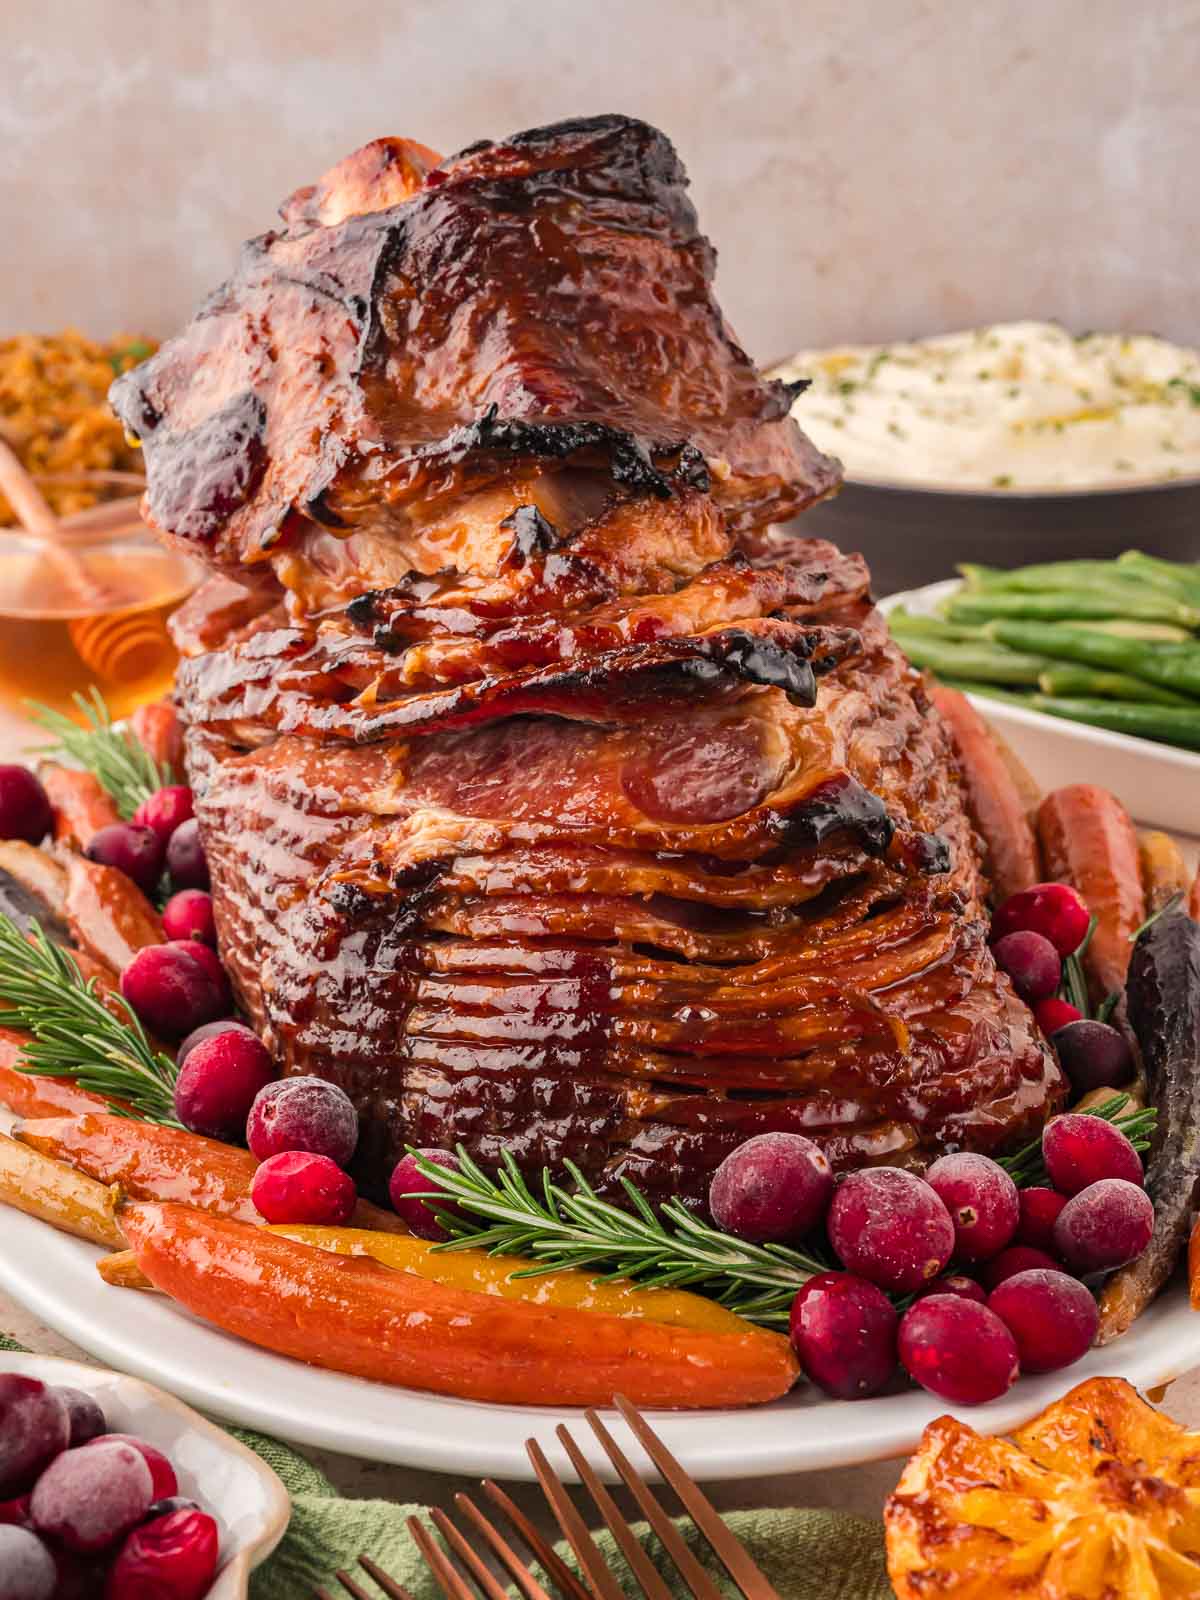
{"x":1096,"y":1499}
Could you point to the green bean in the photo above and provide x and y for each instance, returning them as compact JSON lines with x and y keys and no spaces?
{"x":1166,"y":724}
{"x":1052,"y":607}
{"x":984,"y":661}
{"x":1173,"y":666}
{"x":1090,"y":682}
{"x":1164,"y":631}
{"x":903,"y":623}
{"x":1184,"y":575}
{"x":1073,"y":576}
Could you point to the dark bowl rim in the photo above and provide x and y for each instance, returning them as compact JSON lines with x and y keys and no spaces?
{"x":945,"y":491}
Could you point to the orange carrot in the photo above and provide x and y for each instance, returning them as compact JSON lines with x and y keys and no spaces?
{"x":109,"y":915}
{"x":1089,"y":842}
{"x":30,"y":1095}
{"x":151,"y":1162}
{"x":81,"y":804}
{"x":156,"y":725}
{"x":353,"y":1315}
{"x":1194,"y":897}
{"x":994,"y":798}
{"x":1164,"y":871}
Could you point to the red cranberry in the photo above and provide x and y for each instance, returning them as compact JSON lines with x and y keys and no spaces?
{"x":173,"y":1502}
{"x":210,"y":1030}
{"x":86,"y":1418}
{"x":189,"y":915}
{"x":1104,"y":1226}
{"x":982,"y":1201}
{"x":844,"y":1333}
{"x":208,"y":959}
{"x":35,"y":1426}
{"x":1054,"y":1014}
{"x":132,"y":849}
{"x":186,"y":861}
{"x":171,"y":990}
{"x":958,"y":1350}
{"x":25,"y":811}
{"x":296,"y":1186}
{"x":87,"y":1499}
{"x":27,"y":1569}
{"x":165,"y":810}
{"x":955,"y":1283}
{"x":1054,"y":910}
{"x":174,"y":1557}
{"x":1031,"y":962}
{"x":1039,"y":1213}
{"x":219,"y":1081}
{"x":1079,"y":1150}
{"x":79,"y":1577}
{"x":15,"y":1513}
{"x":303,"y":1114}
{"x":1093,"y":1055}
{"x":163,"y":1481}
{"x":890,"y":1228}
{"x":408,"y":1183}
{"x":1052,"y":1317}
{"x":1017,"y":1258}
{"x":772,"y":1188}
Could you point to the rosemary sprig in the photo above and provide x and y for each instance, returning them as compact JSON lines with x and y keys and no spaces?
{"x":563,"y":1227}
{"x":75,"y":1034}
{"x":117,"y":757}
{"x":1025,"y":1166}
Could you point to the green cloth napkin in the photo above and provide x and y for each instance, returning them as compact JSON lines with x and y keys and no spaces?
{"x":807,"y":1555}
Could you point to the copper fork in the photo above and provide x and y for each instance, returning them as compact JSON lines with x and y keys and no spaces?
{"x":600,"y":1582}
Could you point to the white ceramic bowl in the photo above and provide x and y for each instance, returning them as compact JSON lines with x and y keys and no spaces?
{"x":236,"y":1486}
{"x":1159,"y":784}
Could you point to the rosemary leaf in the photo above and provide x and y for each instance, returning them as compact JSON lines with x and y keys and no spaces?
{"x":75,"y":1033}
{"x":118,"y":759}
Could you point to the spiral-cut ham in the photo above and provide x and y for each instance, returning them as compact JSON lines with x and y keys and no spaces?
{"x":554,"y":803}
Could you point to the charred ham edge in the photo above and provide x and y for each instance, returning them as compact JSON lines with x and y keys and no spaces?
{"x":1163,"y":997}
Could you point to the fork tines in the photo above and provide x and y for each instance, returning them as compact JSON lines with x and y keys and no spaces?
{"x":600,"y":1582}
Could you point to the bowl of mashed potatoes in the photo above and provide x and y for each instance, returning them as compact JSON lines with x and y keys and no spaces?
{"x":1007,"y":444}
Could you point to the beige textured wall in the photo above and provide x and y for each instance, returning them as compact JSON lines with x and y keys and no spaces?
{"x":868,"y":168}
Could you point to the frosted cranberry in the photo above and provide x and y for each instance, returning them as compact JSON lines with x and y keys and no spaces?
{"x":15,"y":1513}
{"x":1054,"y":1014}
{"x":210,"y":1030}
{"x":1052,"y":1317}
{"x":1039,"y":1213}
{"x":86,"y":1418}
{"x":957,"y":1349}
{"x":25,"y":811}
{"x":772,"y":1188}
{"x":982,"y":1201}
{"x":34,"y":1427}
{"x":1104,"y":1226}
{"x":208,"y":960}
{"x":1078,"y":1150}
{"x":303,"y":1114}
{"x":844,"y":1333}
{"x":186,"y":861}
{"x":131,"y":849}
{"x":166,"y":810}
{"x":174,"y":1557}
{"x":1054,"y":910}
{"x":219,"y":1081}
{"x":955,"y":1283}
{"x":171,"y":990}
{"x":88,"y":1499}
{"x":296,"y":1186}
{"x":189,"y":915}
{"x":1031,"y":962}
{"x":27,"y":1569}
{"x":1093,"y":1055}
{"x":408,"y":1183}
{"x":1017,"y":1258}
{"x":890,"y":1227}
{"x":163,"y":1481}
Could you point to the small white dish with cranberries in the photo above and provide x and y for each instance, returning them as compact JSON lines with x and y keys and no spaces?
{"x":182,"y":1211}
{"x":112,"y":1490}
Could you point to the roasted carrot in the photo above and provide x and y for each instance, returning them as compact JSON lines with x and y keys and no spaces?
{"x":1194,"y":897}
{"x":151,"y":1162}
{"x":109,"y":915}
{"x":81,"y":804}
{"x":355,"y":1316}
{"x":1164,"y":871}
{"x":121,"y":1271}
{"x":1089,"y":842}
{"x":30,"y":1095}
{"x":994,"y":799}
{"x":55,"y":1193}
{"x":157,"y":727}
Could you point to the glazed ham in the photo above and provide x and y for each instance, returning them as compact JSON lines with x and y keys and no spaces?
{"x":554,"y":802}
